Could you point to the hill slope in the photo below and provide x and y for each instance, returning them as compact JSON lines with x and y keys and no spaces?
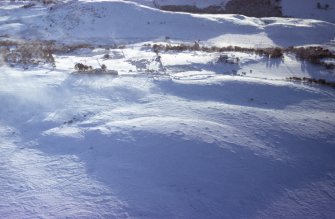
{"x":189,"y":132}
{"x":106,"y":22}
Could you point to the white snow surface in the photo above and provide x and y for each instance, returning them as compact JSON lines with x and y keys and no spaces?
{"x":106,"y":22}
{"x":185,"y":138}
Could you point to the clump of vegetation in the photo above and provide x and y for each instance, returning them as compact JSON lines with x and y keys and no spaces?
{"x":82,"y":68}
{"x":63,"y":48}
{"x":47,"y":2}
{"x":268,"y":52}
{"x":276,"y":52}
{"x":192,"y":9}
{"x":87,"y":69}
{"x":315,"y":55}
{"x":29,"y":5}
{"x":225,"y":59}
{"x":34,"y":52}
{"x":27,"y":53}
{"x":313,"y":81}
{"x":254,"y":8}
{"x":103,"y":67}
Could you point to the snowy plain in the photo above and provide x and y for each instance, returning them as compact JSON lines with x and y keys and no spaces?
{"x":187,"y":137}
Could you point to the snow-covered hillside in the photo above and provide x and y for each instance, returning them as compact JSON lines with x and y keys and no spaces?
{"x":189,"y":132}
{"x":105,"y":22}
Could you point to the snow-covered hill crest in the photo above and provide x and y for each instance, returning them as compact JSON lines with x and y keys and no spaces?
{"x":106,"y":22}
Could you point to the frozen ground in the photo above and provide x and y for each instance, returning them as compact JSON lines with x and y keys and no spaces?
{"x":185,"y":138}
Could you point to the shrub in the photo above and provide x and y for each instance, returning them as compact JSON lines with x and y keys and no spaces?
{"x":27,"y":52}
{"x":313,"y":81}
{"x":269,"y":52}
{"x":103,"y":67}
{"x":29,"y":5}
{"x":195,"y":46}
{"x":276,"y":53}
{"x":46,"y":2}
{"x":314,"y":55}
{"x":223,"y":59}
{"x":82,"y":67}
{"x":86,"y":69}
{"x":71,"y":48}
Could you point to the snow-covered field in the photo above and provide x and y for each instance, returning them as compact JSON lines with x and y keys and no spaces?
{"x":175,"y":134}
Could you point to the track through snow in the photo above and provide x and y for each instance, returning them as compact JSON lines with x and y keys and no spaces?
{"x":181,"y":135}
